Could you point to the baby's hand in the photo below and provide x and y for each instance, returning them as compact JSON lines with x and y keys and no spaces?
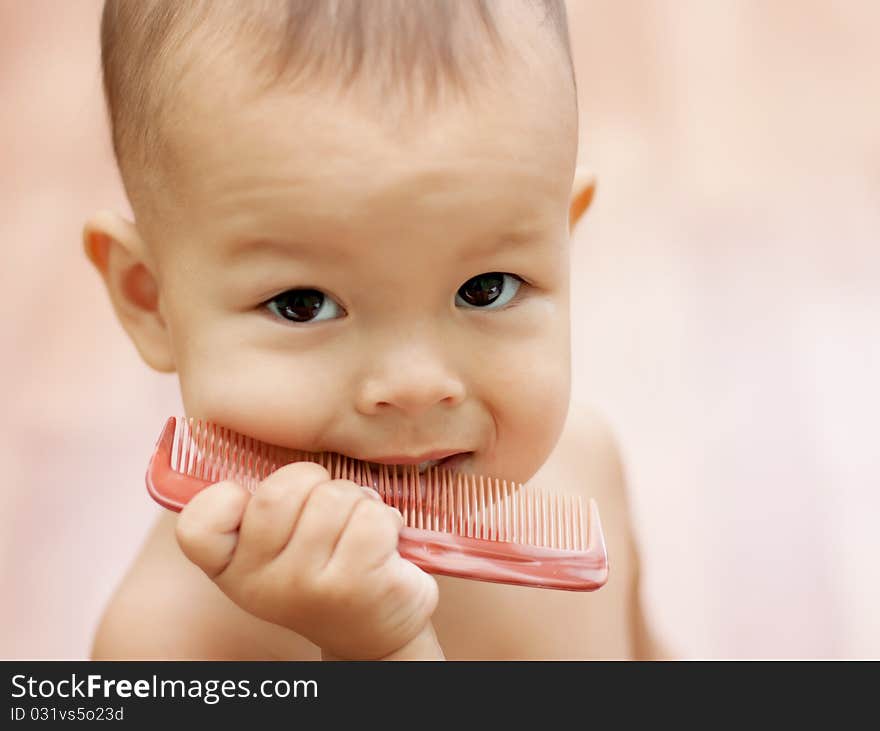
{"x":315,"y":555}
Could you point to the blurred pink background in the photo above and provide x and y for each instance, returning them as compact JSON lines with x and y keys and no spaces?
{"x":726,"y":321}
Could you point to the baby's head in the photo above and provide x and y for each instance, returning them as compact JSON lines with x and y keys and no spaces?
{"x":351,"y":219}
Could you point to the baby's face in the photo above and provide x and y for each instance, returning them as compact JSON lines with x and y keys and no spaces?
{"x":333,"y":281}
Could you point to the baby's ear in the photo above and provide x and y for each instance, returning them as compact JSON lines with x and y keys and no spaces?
{"x":117,"y":251}
{"x":582,"y":190}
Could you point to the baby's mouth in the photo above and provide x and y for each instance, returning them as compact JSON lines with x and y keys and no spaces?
{"x":447,"y":463}
{"x":450,"y":462}
{"x":425,"y":470}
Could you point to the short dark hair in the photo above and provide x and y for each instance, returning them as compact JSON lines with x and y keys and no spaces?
{"x":411,"y":43}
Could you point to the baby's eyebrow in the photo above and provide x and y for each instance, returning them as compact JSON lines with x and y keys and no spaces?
{"x":328,"y":250}
{"x":511,"y":240}
{"x":294,"y":249}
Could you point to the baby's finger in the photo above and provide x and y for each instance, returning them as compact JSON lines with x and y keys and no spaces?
{"x":207,"y":529}
{"x":370,"y":536}
{"x":322,"y":523}
{"x":274,"y":510}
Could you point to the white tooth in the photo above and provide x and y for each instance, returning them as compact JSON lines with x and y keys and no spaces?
{"x":425,"y":465}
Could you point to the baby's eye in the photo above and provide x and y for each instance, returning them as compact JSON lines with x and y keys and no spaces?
{"x":488,"y":291}
{"x":303,"y":305}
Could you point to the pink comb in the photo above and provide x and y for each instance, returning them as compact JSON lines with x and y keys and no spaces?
{"x":456,"y":524}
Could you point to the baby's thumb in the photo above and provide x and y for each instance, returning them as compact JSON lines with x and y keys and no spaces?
{"x":207,"y":529}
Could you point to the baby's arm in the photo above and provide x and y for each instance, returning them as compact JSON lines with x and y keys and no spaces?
{"x":167,"y":608}
{"x":304,"y":557}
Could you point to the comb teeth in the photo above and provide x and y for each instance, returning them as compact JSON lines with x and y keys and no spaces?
{"x":441,"y":500}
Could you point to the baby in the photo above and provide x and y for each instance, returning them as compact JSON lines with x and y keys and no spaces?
{"x":351,"y":235}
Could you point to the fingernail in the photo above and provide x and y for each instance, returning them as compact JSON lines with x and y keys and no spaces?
{"x":371,"y":493}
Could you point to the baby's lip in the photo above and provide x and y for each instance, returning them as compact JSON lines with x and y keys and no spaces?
{"x":427,"y":457}
{"x":455,"y":460}
{"x":450,"y":464}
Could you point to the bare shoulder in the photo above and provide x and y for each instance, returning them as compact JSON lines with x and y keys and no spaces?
{"x":166,"y":608}
{"x":588,"y":461}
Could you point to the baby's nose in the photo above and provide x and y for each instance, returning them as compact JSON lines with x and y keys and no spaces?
{"x":411,"y":387}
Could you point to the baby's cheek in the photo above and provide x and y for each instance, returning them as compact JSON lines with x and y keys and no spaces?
{"x":273,"y":399}
{"x":530,"y":401}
